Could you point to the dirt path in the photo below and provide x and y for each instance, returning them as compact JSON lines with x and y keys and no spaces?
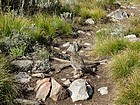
{"x":102,"y":70}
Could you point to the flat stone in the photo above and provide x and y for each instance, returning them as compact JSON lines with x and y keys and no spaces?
{"x":43,"y":91}
{"x":57,"y":91}
{"x":79,"y":90}
{"x":22,"y":77}
{"x":40,"y":82}
{"x":103,"y":90}
{"x":90,"y":21}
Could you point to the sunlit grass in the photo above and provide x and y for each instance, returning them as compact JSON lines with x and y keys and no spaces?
{"x":95,"y":13}
{"x":122,"y":65}
{"x":130,"y":94}
{"x":10,"y":23}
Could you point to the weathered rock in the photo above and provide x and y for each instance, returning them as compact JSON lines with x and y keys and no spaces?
{"x":103,"y":90}
{"x":22,"y":77}
{"x":40,"y":82}
{"x":23,"y":65}
{"x":132,"y":38}
{"x":57,"y":91}
{"x":90,"y":21}
{"x":43,"y":91}
{"x":80,"y":90}
{"x":119,"y":14}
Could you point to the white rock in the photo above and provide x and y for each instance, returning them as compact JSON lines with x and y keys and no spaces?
{"x":80,"y":32}
{"x":132,"y":38}
{"x":66,"y":44}
{"x":103,"y":90}
{"x":64,"y":52}
{"x":80,"y":90}
{"x":87,"y":44}
{"x":90,"y":21}
{"x":118,"y":14}
{"x":63,"y":79}
{"x":40,"y":75}
{"x":22,"y":77}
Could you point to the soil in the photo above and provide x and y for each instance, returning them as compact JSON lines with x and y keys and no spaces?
{"x":102,"y":70}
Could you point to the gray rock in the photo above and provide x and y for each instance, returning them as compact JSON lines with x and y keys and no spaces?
{"x":23,"y":65}
{"x":103,"y":90}
{"x":119,"y":14}
{"x":80,"y":90}
{"x":90,"y":21}
{"x":22,"y":77}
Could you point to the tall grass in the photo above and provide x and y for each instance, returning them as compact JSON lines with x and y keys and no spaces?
{"x":130,"y":95}
{"x":10,"y":23}
{"x":8,"y":90}
{"x":123,"y":64}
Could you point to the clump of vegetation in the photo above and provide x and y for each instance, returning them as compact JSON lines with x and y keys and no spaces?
{"x":130,"y":94}
{"x":8,"y":90}
{"x":96,"y":13}
{"x":134,"y":27}
{"x":110,"y":46}
{"x":50,"y":26}
{"x":107,"y":44}
{"x":10,"y":23}
{"x":123,"y":64}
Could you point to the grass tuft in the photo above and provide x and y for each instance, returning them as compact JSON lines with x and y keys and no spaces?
{"x":8,"y":90}
{"x":123,"y":64}
{"x":109,"y":46}
{"x":130,"y":95}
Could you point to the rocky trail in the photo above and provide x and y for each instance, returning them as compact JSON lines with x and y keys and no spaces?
{"x":101,"y":90}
